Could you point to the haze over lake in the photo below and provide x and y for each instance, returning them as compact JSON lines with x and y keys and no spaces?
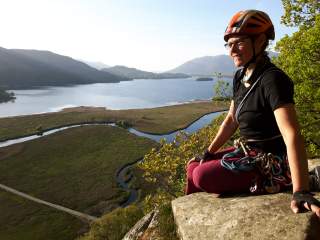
{"x":142,"y":93}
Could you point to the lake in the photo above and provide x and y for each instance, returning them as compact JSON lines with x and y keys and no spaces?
{"x":142,"y":93}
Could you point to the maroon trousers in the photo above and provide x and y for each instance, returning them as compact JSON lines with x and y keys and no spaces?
{"x":211,"y":177}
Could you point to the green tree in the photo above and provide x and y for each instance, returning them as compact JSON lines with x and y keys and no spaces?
{"x":300,"y":12}
{"x":300,"y":58}
{"x":6,"y":96}
{"x":221,"y":89}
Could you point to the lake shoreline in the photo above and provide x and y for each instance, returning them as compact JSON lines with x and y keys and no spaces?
{"x":135,"y":94}
{"x":81,"y":124}
{"x":157,"y":121}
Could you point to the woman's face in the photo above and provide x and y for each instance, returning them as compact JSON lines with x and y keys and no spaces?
{"x":240,"y":50}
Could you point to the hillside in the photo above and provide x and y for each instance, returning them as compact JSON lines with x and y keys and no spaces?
{"x":96,"y":65}
{"x":139,"y":74}
{"x":22,"y":69}
{"x":209,"y":65}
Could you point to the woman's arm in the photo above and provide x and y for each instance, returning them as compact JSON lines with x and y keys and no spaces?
{"x":226,"y":130}
{"x":289,"y":127}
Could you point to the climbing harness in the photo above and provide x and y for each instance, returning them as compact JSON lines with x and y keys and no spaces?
{"x":274,"y":170}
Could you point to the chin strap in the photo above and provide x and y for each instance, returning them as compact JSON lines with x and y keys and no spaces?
{"x":252,"y":60}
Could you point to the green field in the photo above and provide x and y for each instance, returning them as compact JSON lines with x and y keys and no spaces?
{"x":75,"y":168}
{"x":23,"y":219}
{"x":153,"y":120}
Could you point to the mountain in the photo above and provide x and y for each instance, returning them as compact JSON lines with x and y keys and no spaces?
{"x":208,"y":65}
{"x":96,"y":65}
{"x":22,"y":69}
{"x":139,"y":74}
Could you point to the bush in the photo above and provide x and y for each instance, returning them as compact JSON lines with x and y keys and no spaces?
{"x":166,"y":167}
{"x":123,"y":124}
{"x":114,"y":225}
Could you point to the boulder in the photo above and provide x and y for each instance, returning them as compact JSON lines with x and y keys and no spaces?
{"x":203,"y":216}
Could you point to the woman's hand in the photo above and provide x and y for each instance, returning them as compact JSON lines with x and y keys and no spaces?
{"x":194,"y":159}
{"x":202,"y":158}
{"x":304,"y":200}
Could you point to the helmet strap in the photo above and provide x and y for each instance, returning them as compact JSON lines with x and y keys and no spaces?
{"x":252,"y":60}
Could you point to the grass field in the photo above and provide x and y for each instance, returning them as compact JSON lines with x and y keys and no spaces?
{"x":74,"y":168}
{"x":23,"y":219}
{"x":153,"y":120}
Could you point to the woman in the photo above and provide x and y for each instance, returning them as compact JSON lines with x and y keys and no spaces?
{"x":263,"y":109}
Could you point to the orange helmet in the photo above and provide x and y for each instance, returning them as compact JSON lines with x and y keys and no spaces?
{"x":250,"y":22}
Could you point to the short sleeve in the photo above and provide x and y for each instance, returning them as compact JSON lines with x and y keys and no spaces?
{"x":278,"y":89}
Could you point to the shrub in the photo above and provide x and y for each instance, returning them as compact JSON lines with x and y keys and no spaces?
{"x":114,"y":225}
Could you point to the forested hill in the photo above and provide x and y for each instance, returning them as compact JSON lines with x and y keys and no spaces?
{"x":139,"y":74}
{"x":6,"y":96}
{"x":21,"y":69}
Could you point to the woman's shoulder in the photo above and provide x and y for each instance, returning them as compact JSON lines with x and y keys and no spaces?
{"x":275,"y":76}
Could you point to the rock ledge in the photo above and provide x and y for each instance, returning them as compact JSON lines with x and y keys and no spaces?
{"x":203,"y":216}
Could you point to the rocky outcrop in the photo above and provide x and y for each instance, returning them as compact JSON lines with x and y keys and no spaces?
{"x":203,"y":216}
{"x":145,"y":228}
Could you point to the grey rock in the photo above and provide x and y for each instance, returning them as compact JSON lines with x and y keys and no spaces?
{"x":202,"y":216}
{"x":139,"y":228}
{"x":155,"y":219}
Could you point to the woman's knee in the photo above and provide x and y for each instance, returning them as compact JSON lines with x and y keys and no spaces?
{"x":201,"y":179}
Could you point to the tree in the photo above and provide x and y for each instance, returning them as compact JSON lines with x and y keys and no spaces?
{"x":300,"y":58}
{"x":6,"y":96}
{"x":300,"y":12}
{"x":222,"y":89}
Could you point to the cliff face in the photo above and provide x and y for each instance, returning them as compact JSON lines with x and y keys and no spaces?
{"x":203,"y":216}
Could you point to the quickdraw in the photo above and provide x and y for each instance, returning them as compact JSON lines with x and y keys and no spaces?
{"x":273,"y":169}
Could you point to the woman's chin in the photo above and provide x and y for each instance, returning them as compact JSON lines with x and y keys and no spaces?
{"x":238,"y":64}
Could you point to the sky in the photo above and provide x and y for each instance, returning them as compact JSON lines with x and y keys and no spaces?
{"x":151,"y":35}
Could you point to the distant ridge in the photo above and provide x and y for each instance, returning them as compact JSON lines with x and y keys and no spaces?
{"x":139,"y":74}
{"x":23,"y":69}
{"x":209,"y":65}
{"x":96,"y":65}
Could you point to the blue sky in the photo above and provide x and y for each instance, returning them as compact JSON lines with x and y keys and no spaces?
{"x":153,"y":35}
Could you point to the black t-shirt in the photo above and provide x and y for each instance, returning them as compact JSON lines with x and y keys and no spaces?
{"x":256,"y":117}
